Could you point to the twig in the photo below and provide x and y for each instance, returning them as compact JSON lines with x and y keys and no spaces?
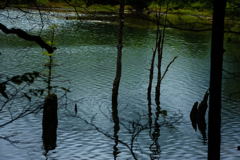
{"x":168,"y":67}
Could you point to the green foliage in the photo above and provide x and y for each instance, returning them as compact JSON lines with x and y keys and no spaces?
{"x":200,"y":6}
{"x":186,"y":4}
{"x":42,"y":1}
{"x":50,"y":63}
{"x":81,"y":3}
{"x":233,"y":10}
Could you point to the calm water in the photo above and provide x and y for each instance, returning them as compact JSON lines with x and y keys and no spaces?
{"x":87,"y":59}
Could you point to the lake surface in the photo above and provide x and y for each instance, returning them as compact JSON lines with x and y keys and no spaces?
{"x":86,"y":56}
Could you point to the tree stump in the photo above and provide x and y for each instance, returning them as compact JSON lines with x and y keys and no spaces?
{"x":50,"y":122}
{"x":197,"y":115}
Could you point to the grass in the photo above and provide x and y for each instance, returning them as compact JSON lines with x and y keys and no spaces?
{"x":190,"y":9}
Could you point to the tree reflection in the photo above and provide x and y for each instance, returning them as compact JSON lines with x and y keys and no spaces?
{"x":116,"y":129}
{"x":132,"y":128}
{"x":154,"y":147}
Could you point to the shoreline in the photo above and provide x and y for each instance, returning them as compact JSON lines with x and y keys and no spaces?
{"x":107,"y":9}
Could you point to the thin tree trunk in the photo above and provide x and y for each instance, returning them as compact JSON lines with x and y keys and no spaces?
{"x":152,"y":66}
{"x":157,"y":94}
{"x":214,"y":133}
{"x":160,"y":51}
{"x":119,"y":56}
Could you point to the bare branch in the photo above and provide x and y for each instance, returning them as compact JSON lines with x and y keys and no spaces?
{"x":168,"y":67}
{"x":22,"y":34}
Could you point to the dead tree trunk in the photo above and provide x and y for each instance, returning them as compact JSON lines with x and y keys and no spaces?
{"x":50,"y":122}
{"x":214,"y":128}
{"x":160,"y":51}
{"x":152,"y":66}
{"x":119,"y":55}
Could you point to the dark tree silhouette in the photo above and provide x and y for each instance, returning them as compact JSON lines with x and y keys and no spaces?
{"x":119,"y":55}
{"x":214,"y":133}
{"x":22,"y":34}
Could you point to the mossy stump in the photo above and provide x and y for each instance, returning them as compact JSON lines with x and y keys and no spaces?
{"x":50,"y":121}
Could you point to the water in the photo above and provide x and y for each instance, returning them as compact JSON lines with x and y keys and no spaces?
{"x":87,"y":61}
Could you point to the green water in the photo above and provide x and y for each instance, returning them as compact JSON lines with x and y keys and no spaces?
{"x":86,"y":55}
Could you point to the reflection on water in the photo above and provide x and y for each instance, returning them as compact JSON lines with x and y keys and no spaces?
{"x":87,"y":59}
{"x":154,"y":147}
{"x":116,"y":130}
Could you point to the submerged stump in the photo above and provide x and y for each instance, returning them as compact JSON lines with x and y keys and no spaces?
{"x":50,"y":122}
{"x":197,"y":115}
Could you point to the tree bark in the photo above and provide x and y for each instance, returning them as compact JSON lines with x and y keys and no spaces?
{"x":119,"y":56}
{"x":214,"y":127}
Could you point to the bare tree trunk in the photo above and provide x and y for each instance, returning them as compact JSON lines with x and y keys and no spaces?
{"x":157,"y":94}
{"x":119,"y":56}
{"x":158,"y":39}
{"x":50,"y":122}
{"x":160,"y":51}
{"x":214,"y":133}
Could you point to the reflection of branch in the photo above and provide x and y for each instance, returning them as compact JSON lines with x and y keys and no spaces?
{"x":24,"y":113}
{"x":234,"y":74}
{"x":22,"y":34}
{"x":234,"y":93}
{"x":133,"y":127}
{"x":10,"y":141}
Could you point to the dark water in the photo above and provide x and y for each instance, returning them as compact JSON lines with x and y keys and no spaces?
{"x":87,"y":61}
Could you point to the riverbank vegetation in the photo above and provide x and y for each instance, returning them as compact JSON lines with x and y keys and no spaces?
{"x":192,"y":7}
{"x":203,"y":8}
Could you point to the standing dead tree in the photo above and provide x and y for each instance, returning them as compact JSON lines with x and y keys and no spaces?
{"x":159,"y":48}
{"x":116,"y":81}
{"x":152,"y":66}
